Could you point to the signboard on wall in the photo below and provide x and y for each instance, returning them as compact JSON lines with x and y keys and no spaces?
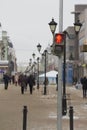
{"x":83,"y":48}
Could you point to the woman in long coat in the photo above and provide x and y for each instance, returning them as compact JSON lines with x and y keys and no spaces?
{"x":31,"y":82}
{"x":22,"y":83}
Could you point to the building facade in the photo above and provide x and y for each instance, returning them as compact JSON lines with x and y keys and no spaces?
{"x":7,"y":55}
{"x":76,"y":52}
{"x":82,"y":9}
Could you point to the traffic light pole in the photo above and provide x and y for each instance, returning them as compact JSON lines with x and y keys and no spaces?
{"x":59,"y":116}
{"x":59,"y":100}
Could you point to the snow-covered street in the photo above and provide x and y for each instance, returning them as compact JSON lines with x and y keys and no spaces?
{"x":42,"y":109}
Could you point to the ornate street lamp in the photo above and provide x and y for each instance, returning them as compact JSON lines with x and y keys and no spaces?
{"x":44,"y":56}
{"x":33,"y":55}
{"x":39,"y":47}
{"x":77,"y":26}
{"x":52,"y":26}
{"x":45,"y":90}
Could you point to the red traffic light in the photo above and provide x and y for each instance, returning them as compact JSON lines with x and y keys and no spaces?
{"x":59,"y":37}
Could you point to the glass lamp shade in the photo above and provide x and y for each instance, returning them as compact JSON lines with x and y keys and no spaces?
{"x":77,"y":26}
{"x":43,"y":55}
{"x":33,"y":55}
{"x":51,"y":48}
{"x":52,"y":25}
{"x":39,"y":47}
{"x":30,"y":60}
{"x":38,"y":59}
{"x":45,"y":51}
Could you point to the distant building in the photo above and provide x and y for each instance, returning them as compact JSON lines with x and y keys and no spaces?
{"x":7,"y":55}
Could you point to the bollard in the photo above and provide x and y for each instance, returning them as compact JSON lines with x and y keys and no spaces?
{"x":71,"y":117}
{"x":24,"y":117}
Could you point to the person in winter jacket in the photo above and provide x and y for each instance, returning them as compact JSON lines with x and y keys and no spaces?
{"x":31,"y":82}
{"x":6,"y":80}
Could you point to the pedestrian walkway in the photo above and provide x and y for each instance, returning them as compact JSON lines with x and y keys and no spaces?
{"x":42,"y":109}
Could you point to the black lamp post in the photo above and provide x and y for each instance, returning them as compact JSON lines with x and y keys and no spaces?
{"x":44,"y":56}
{"x":38,"y":73}
{"x":64,"y":103}
{"x":77,"y":27}
{"x":33,"y":55}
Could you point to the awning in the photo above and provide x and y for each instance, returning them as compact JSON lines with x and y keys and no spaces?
{"x":3,"y":66}
{"x":52,"y":73}
{"x":3,"y":63}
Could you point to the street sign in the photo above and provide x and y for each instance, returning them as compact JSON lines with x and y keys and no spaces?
{"x":83,"y":48}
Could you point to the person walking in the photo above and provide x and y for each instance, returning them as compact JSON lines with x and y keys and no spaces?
{"x":31,"y":82}
{"x":13,"y":79}
{"x":26,"y":82}
{"x":6,"y":80}
{"x":16,"y":79}
{"x":22,"y":83}
{"x":84,"y":86}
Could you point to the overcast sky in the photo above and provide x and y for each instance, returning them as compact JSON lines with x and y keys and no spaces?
{"x":26,"y":22}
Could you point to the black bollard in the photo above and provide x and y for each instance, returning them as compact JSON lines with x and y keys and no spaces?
{"x":71,"y":117}
{"x":25,"y":118}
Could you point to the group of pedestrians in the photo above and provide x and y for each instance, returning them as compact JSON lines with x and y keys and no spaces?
{"x":25,"y":81}
{"x":84,"y":86}
{"x":20,"y":79}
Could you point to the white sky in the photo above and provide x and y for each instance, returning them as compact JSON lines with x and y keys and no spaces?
{"x":26,"y":22}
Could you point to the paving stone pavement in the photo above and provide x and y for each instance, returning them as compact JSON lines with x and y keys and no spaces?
{"x":42,"y":109}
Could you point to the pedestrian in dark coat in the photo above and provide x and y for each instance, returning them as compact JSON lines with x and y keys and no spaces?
{"x":6,"y":80}
{"x":26,"y":82}
{"x":22,"y":83}
{"x":31,"y":82}
{"x":84,"y":86}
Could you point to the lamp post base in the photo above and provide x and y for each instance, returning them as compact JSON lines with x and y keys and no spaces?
{"x":45,"y":90}
{"x":64,"y":105}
